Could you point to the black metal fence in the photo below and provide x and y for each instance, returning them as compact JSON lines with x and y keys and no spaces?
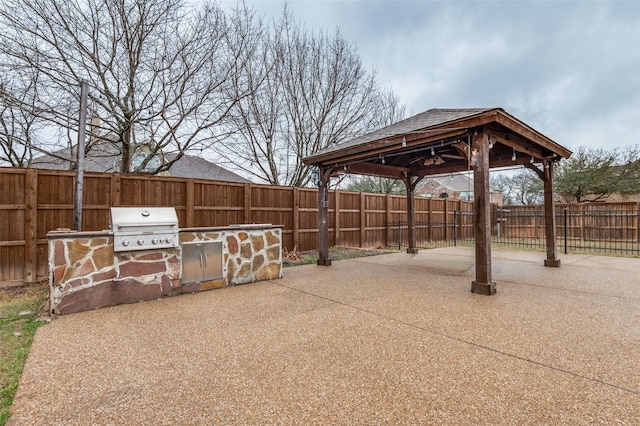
{"x":578,"y":231}
{"x":428,"y":234}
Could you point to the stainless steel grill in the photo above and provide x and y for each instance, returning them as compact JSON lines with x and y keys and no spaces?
{"x":144,"y":228}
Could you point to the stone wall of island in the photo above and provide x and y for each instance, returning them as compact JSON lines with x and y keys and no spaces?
{"x":86,"y":273}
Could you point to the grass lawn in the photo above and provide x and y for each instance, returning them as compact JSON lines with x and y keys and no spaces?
{"x":20,"y":316}
{"x":296,"y":258}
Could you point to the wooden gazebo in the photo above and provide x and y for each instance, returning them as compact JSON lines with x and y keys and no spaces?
{"x":441,"y":141}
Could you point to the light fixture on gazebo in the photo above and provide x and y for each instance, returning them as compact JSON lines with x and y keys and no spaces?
{"x":315,"y":176}
{"x":474,"y":157}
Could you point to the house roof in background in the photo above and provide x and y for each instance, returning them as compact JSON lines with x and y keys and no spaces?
{"x":456,"y":182}
{"x":190,"y":166}
{"x":105,"y":158}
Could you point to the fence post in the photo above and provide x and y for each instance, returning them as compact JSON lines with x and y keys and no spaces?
{"x":430,"y":220}
{"x":336,"y":218}
{"x":363,"y":218}
{"x":638,"y":221}
{"x":565,"y":230}
{"x":399,"y":235}
{"x":295,"y":238}
{"x":31,"y":225}
{"x":455,"y":226}
{"x":190,"y":203}
{"x":582,"y":220}
{"x":247,"y":203}
{"x":446,"y":219}
{"x":115,"y":190}
{"x":387,"y":220}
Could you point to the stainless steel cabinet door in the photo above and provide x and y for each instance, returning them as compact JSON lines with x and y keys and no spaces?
{"x":212,"y":260}
{"x":201,"y":261}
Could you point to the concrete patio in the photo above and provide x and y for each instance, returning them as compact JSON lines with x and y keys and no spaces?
{"x":392,"y":339}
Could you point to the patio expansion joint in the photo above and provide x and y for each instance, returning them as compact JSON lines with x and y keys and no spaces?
{"x":440,"y":271}
{"x":463,"y":341}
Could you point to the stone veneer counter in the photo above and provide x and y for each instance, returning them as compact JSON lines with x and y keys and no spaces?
{"x":86,"y":273}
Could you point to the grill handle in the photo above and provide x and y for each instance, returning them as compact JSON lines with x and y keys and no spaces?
{"x":145,"y":225}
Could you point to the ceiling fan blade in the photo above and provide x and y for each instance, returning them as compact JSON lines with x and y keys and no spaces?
{"x":455,"y":157}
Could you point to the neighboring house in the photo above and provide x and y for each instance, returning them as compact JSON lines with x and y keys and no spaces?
{"x":456,"y":186}
{"x":190,"y":166}
{"x":104,"y":157}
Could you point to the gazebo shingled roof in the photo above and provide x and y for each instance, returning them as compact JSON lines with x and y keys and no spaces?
{"x":447,"y":132}
{"x":440,"y":141}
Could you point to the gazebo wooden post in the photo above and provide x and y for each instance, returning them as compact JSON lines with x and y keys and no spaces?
{"x":550,"y":217}
{"x":323,"y":217}
{"x":411,"y":182}
{"x":482,"y":216}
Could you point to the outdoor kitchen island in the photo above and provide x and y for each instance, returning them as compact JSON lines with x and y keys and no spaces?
{"x":87,"y":271}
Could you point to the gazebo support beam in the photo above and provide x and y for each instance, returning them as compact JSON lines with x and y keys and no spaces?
{"x":482,"y":216}
{"x":550,"y":218}
{"x":411,"y":182}
{"x":323,"y":217}
{"x":546,"y":174}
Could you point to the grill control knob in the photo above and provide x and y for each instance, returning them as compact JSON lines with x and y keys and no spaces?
{"x":140,"y":242}
{"x":154,"y":241}
{"x":168,"y":240}
{"x":125,"y":243}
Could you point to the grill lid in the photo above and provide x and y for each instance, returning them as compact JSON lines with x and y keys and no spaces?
{"x":143,"y":228}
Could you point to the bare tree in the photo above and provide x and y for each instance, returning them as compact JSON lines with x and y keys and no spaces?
{"x":19,"y":121}
{"x":521,"y":188}
{"x":377,"y":184}
{"x":308,"y":90}
{"x":162,"y":75}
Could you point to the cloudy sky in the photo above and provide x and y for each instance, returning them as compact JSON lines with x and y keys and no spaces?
{"x":570,"y":69}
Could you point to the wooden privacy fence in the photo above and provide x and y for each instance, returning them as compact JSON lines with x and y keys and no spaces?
{"x":35,"y":201}
{"x":611,"y":222}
